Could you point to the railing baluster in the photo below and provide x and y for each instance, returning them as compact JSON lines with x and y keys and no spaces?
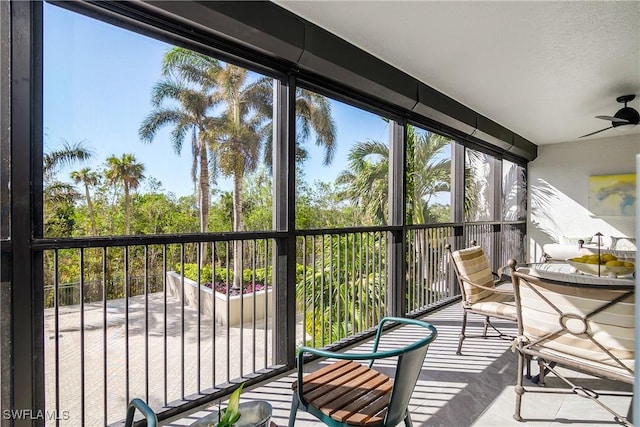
{"x":352,"y":284}
{"x":331,"y":270}
{"x":199,"y":316}
{"x":253,"y":323}
{"x":146,"y":322}
{"x":83,"y":393}
{"x":382,"y":270}
{"x":241,"y":275}
{"x":126,"y":321}
{"x":227,"y":308}
{"x":360,"y":298}
{"x":213,"y":316}
{"x":182,"y":319}
{"x":164,"y":325}
{"x":56,"y":328}
{"x":267,"y":257}
{"x":105,"y":349}
{"x":313,"y":292}
{"x":347,"y":284}
{"x":304,"y":288}
{"x":322,"y":274}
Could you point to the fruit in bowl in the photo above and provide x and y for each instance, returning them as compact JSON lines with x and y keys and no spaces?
{"x":608,"y":264}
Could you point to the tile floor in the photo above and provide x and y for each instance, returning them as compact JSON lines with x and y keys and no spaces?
{"x":474,"y":389}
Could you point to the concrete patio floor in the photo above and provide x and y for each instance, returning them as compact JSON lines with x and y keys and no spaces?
{"x":475,"y":389}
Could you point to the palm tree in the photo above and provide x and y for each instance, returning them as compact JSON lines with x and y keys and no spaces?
{"x":476,"y":205}
{"x":59,"y":197}
{"x":68,"y":154}
{"x":367,"y":179}
{"x":184,"y":99}
{"x":129,"y":172}
{"x":89,"y":178}
{"x":238,"y":135}
{"x":429,"y":174}
{"x":244,"y":128}
{"x":313,"y":117}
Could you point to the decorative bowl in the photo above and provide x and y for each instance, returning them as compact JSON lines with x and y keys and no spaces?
{"x":252,"y":414}
{"x":605,"y":270}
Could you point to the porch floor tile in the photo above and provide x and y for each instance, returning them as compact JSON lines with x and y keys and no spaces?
{"x":474,"y":389}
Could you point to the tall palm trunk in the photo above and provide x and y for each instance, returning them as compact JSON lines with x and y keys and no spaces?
{"x":127,"y":211}
{"x":203,"y":194}
{"x":237,"y":226}
{"x":92,"y":216}
{"x":203,"y":185}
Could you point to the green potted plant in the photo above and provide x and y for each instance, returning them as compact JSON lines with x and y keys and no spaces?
{"x":255,"y":413}
{"x":229,"y":416}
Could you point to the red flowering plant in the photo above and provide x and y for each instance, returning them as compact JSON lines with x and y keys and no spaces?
{"x":224,"y":288}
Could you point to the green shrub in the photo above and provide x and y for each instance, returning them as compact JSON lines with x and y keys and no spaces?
{"x":191,"y":272}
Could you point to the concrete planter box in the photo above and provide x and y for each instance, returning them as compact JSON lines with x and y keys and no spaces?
{"x":224,"y":317}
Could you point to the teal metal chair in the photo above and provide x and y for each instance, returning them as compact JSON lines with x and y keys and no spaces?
{"x":348,"y":393}
{"x":140,"y":405}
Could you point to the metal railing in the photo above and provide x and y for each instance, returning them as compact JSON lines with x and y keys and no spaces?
{"x":123,"y":321}
{"x":429,"y":280}
{"x":140,"y":317}
{"x":341,"y":290}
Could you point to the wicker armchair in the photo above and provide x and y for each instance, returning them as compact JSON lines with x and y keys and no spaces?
{"x":482,"y":291}
{"x":586,"y":325}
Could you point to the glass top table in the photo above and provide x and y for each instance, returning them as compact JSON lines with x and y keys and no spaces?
{"x":566,"y":273}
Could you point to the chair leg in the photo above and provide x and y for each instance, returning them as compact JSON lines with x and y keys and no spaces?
{"x":519,"y":389}
{"x":294,"y":409}
{"x":464,"y":328}
{"x":407,"y":420}
{"x":486,"y":326}
{"x":542,"y":373}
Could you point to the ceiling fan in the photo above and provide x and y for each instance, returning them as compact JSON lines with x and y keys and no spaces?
{"x":625,"y":116}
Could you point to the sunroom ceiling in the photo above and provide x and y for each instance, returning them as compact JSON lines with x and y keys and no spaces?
{"x":541,"y":69}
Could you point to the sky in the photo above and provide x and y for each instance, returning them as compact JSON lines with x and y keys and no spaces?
{"x":98,"y":81}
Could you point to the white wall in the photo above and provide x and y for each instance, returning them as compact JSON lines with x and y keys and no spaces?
{"x":559,"y":185}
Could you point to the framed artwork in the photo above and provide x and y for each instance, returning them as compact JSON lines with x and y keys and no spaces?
{"x":612,"y":195}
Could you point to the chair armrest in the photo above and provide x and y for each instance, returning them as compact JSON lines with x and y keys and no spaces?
{"x":139,"y":404}
{"x":495,"y":289}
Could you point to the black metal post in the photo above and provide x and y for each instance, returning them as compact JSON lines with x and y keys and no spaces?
{"x":396,"y":248}
{"x":27,"y":314}
{"x":284,"y":313}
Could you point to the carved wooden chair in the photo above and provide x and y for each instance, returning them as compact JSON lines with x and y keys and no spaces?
{"x":482,"y":291}
{"x":348,"y":393}
{"x":580,"y":323}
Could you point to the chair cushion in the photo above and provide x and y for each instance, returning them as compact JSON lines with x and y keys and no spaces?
{"x":473,"y":267}
{"x":502,"y":305}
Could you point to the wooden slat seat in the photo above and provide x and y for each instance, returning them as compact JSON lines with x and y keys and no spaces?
{"x":348,"y":392}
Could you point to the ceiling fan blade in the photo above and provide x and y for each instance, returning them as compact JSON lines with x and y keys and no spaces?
{"x":598,"y":131}
{"x":613,"y":119}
